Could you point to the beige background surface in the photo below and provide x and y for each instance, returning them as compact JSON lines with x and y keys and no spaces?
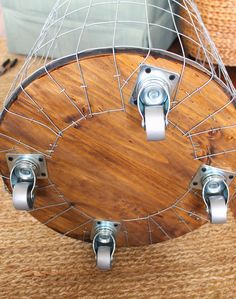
{"x":36,"y":262}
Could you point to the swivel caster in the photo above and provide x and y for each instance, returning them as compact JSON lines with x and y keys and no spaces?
{"x":152,"y":94}
{"x":104,"y":244}
{"x":22,"y":196}
{"x":104,"y":258}
{"x":154,"y":123}
{"x":214,"y":183}
{"x":24,"y":172}
{"x":217,"y":207}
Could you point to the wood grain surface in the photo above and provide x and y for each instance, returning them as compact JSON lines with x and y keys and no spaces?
{"x":100,"y":164}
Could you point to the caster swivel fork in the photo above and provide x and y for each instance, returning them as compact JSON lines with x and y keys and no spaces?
{"x":152,"y":95}
{"x":214,"y":184}
{"x":24,"y":172}
{"x":104,"y":242}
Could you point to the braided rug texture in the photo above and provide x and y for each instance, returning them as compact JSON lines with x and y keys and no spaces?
{"x":36,"y":262}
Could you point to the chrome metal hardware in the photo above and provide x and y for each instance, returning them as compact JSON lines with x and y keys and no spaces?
{"x":104,"y":242}
{"x":24,"y":172}
{"x":214,"y":183}
{"x":152,"y":95}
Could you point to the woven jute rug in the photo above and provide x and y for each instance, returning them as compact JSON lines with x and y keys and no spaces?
{"x":36,"y":262}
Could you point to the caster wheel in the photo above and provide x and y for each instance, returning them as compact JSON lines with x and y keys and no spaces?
{"x":217,"y":209}
{"x":22,"y":199}
{"x":155,"y":123}
{"x":104,"y":258}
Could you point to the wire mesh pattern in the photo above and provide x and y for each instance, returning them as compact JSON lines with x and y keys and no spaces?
{"x":118,"y":25}
{"x":58,"y":38}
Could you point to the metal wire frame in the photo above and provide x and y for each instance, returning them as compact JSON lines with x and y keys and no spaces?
{"x":53,"y":31}
{"x":46,"y":51}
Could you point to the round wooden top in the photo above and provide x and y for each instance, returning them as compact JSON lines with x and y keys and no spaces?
{"x":99,"y":163}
